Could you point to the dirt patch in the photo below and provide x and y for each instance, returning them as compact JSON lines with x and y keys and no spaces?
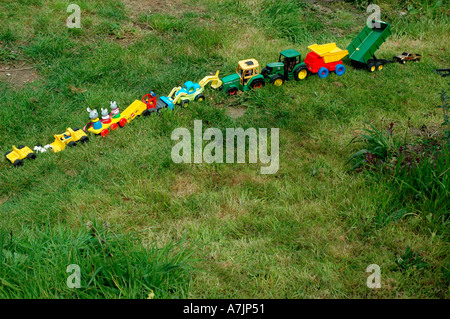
{"x":17,"y":75}
{"x":185,"y":185}
{"x":431,"y":131}
{"x":236,"y":112}
{"x":156,"y":6}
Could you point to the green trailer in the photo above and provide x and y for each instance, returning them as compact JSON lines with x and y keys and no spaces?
{"x":362,"y":49}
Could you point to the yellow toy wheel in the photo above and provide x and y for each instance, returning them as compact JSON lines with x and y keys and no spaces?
{"x":372,"y":68}
{"x":278,"y":82}
{"x":380,"y":67}
{"x":302,"y":74}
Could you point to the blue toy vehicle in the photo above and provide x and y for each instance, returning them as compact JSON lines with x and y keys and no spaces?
{"x":189,"y":92}
{"x":183,"y":95}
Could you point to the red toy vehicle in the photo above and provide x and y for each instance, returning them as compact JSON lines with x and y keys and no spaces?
{"x":324,"y":59}
{"x":150,"y":100}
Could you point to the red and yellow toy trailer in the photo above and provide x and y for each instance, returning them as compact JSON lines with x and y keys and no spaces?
{"x":324,"y":59}
{"x":136,"y":108}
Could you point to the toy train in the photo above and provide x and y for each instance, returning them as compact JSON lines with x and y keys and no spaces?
{"x":321,"y":60}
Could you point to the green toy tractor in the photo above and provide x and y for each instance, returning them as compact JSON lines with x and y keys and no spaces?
{"x":247,"y":77}
{"x":287,"y":68}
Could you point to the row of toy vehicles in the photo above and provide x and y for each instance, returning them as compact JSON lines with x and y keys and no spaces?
{"x":321,"y":60}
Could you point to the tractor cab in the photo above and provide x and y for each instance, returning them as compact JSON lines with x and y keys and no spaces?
{"x":247,"y":69}
{"x":189,"y":87}
{"x":290,"y":58}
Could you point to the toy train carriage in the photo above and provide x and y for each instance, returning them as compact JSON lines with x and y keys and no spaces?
{"x":103,"y":127}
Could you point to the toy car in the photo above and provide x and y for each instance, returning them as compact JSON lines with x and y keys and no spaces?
{"x":69,"y":137}
{"x":405,"y":56}
{"x":17,"y":155}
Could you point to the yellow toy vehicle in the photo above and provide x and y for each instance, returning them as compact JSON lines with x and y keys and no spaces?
{"x":17,"y":155}
{"x":69,"y":137}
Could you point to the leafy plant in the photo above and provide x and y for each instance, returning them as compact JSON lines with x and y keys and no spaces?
{"x":410,"y":260}
{"x":379,"y":146}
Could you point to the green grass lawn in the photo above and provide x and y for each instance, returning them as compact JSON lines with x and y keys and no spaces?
{"x":137,"y":222}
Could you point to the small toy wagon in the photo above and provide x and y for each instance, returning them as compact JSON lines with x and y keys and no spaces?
{"x":405,"y":56}
{"x":17,"y":155}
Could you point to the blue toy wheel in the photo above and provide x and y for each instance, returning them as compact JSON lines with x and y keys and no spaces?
{"x":323,"y":73}
{"x":340,"y":69}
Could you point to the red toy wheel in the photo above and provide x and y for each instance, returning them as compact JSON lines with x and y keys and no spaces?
{"x":114,"y":126}
{"x":122,"y":122}
{"x":104,"y":132}
{"x":232,"y":91}
{"x":257,"y":84}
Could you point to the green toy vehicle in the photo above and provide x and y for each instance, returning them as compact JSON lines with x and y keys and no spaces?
{"x":287,"y":68}
{"x":247,"y":77}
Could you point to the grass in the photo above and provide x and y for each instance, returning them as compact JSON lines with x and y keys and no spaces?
{"x":308,"y":231}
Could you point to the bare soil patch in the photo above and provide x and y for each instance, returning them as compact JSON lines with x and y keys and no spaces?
{"x":236,"y":112}
{"x":17,"y":75}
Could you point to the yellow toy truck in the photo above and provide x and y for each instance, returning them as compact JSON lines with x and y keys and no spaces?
{"x":17,"y":155}
{"x":69,"y":137}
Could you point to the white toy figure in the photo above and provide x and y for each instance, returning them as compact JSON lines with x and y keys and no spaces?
{"x":105,"y":116}
{"x":115,"y":112}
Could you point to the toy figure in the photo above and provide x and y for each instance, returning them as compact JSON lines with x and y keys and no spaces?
{"x":115,"y":112}
{"x":95,"y":122}
{"x":105,"y":116}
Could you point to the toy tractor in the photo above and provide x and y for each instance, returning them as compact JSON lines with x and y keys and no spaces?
{"x":189,"y":92}
{"x":17,"y":155}
{"x":69,"y":137}
{"x":247,"y":77}
{"x":287,"y":68}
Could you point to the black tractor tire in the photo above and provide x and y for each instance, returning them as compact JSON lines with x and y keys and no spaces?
{"x":184,"y":103}
{"x":276,"y":77}
{"x":232,"y":91}
{"x":18,"y":163}
{"x":297,"y":71}
{"x":257,"y":84}
{"x":31,"y":156}
{"x":200,"y":98}
{"x":84,"y":139}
